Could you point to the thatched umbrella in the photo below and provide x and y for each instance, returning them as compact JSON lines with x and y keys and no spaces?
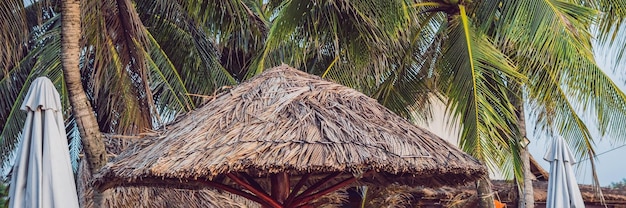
{"x":286,"y":127}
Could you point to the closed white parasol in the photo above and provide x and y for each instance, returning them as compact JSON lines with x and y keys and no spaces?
{"x":563,"y":189}
{"x":42,"y":174}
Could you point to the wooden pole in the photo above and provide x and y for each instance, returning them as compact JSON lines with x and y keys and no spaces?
{"x":296,"y":188}
{"x":305,"y":199}
{"x":319,"y":184}
{"x":306,"y":196}
{"x":280,"y":186}
{"x":259,"y":193}
{"x":252,"y":182}
{"x":234,"y":191}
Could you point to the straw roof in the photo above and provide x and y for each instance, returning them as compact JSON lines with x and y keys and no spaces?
{"x":285,"y":120}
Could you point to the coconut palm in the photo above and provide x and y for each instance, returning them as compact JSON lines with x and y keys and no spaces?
{"x":81,"y":107}
{"x":552,"y":49}
{"x":486,"y":58}
{"x":130,"y":80}
{"x":148,"y":63}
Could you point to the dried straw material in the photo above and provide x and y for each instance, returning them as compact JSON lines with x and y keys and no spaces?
{"x":151,"y":196}
{"x":285,"y":120}
{"x":145,"y":196}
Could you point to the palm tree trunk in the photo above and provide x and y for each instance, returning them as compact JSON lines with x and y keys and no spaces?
{"x":526,"y":199}
{"x":90,"y":134}
{"x":485,"y":194}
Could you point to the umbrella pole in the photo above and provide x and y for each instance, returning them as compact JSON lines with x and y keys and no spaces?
{"x":294,"y":193}
{"x":280,"y":186}
{"x":252,"y":182}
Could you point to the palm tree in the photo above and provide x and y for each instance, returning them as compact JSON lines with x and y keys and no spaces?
{"x":549,"y":42}
{"x":130,"y":81}
{"x":145,"y":64}
{"x":81,"y":107}
{"x":485,"y":57}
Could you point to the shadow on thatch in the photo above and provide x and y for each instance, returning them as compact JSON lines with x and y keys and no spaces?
{"x":285,"y":121}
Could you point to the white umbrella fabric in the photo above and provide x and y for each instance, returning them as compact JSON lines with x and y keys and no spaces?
{"x":563,"y":189}
{"x":42,"y":174}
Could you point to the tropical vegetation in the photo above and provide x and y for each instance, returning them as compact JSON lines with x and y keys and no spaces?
{"x":4,"y":194}
{"x":141,"y":62}
{"x":618,"y":184}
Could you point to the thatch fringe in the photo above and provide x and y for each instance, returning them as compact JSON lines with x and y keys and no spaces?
{"x":163,"y":196}
{"x":150,"y":197}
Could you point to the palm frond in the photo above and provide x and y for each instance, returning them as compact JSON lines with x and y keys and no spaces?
{"x":613,"y":57}
{"x":611,"y":19}
{"x":474,"y":76}
{"x":551,"y":42}
{"x":41,"y":60}
{"x":563,"y":76}
{"x":609,"y":29}
{"x":14,"y":87}
{"x":335,"y":28}
{"x":74,"y":142}
{"x":116,"y":68}
{"x":189,"y":51}
{"x":166,"y":84}
{"x":555,"y":113}
{"x":13,"y":40}
{"x":409,"y":85}
{"x":590,"y":89}
{"x":239,"y":32}
{"x":549,"y":31}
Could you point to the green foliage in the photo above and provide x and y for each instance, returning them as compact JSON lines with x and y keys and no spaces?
{"x":475,"y":74}
{"x":160,"y":58}
{"x":4,"y":194}
{"x":39,"y":61}
{"x":619,"y":184}
{"x":132,"y":82}
{"x":547,"y":45}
